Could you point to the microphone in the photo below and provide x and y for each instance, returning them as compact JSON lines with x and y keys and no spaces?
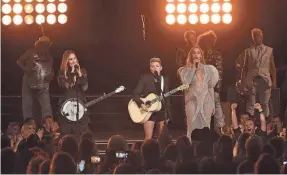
{"x":196,"y":65}
{"x":157,"y":77}
{"x":144,"y":27}
{"x":76,"y":66}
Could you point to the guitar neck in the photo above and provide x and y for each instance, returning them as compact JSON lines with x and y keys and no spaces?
{"x":99,"y":99}
{"x":165,"y":95}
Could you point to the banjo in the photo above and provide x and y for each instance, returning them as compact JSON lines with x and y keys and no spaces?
{"x":69,"y":107}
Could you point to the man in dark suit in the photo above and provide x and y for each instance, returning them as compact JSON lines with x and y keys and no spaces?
{"x":153,"y":82}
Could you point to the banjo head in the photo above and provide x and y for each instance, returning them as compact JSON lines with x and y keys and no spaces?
{"x":69,"y":110}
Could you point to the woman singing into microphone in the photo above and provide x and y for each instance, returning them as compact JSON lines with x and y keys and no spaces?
{"x":73,"y":79}
{"x":153,"y":82}
{"x":199,"y":98}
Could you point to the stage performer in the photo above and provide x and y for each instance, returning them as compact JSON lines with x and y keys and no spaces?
{"x":153,"y":82}
{"x":38,"y":72}
{"x":73,"y":79}
{"x":199,"y":98}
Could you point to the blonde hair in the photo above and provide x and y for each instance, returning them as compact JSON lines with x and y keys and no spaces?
{"x":65,"y":60}
{"x":155,"y":59}
{"x":256,"y":30}
{"x":189,"y":56}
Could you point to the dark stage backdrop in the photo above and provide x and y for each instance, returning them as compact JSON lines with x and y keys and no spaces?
{"x":107,"y":36}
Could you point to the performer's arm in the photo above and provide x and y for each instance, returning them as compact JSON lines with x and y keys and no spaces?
{"x":62,"y":80}
{"x":233,"y":116}
{"x":262,"y":116}
{"x":83,"y":79}
{"x":138,"y":92}
{"x":273,"y":72}
{"x":22,"y":62}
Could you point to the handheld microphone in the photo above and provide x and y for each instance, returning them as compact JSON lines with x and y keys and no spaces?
{"x":156,"y":75}
{"x":196,"y":65}
{"x":76,"y":66}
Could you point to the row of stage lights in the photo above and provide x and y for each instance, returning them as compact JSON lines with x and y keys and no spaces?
{"x":198,"y":11}
{"x":30,"y":11}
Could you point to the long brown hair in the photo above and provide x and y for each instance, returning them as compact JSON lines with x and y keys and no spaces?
{"x":64,"y":64}
{"x":189,"y":57}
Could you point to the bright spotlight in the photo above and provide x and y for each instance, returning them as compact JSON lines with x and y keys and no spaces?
{"x":204,"y":19}
{"x":215,"y":8}
{"x":170,"y":8}
{"x":51,"y":19}
{"x":40,"y":0}
{"x":170,"y":19}
{"x":6,"y":20}
{"x":227,"y":18}
{"x":181,"y":19}
{"x":62,"y":19}
{"x":40,"y":19}
{"x":204,"y":8}
{"x":226,"y":7}
{"x":51,"y":8}
{"x":28,"y":1}
{"x":6,"y":1}
{"x":181,"y":8}
{"x":215,"y":18}
{"x":193,"y":19}
{"x":17,"y":19}
{"x":6,"y":9}
{"x":17,"y":0}
{"x":17,"y":8}
{"x":28,"y":8}
{"x":192,"y":8}
{"x":40,"y":8}
{"x":29,"y":19}
{"x":62,"y":7}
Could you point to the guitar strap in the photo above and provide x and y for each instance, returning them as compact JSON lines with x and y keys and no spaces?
{"x":162,"y":84}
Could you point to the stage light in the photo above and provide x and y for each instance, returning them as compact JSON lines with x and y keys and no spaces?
{"x":62,"y":19}
{"x":51,"y":19}
{"x":51,"y":8}
{"x":6,"y":1}
{"x":215,"y":18}
{"x":51,"y":0}
{"x":17,"y":8}
{"x":204,"y":19}
{"x":192,"y":8}
{"x":204,"y":8}
{"x":192,"y":19}
{"x":40,"y":0}
{"x":181,"y":8}
{"x":17,"y":19}
{"x":29,"y":19}
{"x":62,"y":0}
{"x":181,"y":19}
{"x":227,"y":18}
{"x":40,"y":8}
{"x":198,"y":11}
{"x":170,"y":19}
{"x":170,"y":8}
{"x":29,"y":1}
{"x":28,"y":8}
{"x":6,"y":20}
{"x":40,"y":19}
{"x":17,"y":0}
{"x":6,"y":9}
{"x":226,"y":7}
{"x":215,"y":8}
{"x":62,"y":7}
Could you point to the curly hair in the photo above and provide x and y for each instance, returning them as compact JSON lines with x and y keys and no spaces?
{"x":206,"y":37}
{"x":189,"y":57}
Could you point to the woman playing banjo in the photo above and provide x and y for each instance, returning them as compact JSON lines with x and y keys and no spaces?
{"x":73,"y":79}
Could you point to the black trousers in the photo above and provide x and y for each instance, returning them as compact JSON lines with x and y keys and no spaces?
{"x":28,"y":96}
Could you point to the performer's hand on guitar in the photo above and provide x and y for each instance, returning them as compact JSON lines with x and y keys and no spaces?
{"x":144,"y":107}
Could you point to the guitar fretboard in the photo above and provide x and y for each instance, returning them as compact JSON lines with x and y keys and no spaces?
{"x":99,"y":99}
{"x":160,"y":98}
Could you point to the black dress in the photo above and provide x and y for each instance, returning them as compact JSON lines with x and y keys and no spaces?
{"x":148,"y":84}
{"x":81,"y":85}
